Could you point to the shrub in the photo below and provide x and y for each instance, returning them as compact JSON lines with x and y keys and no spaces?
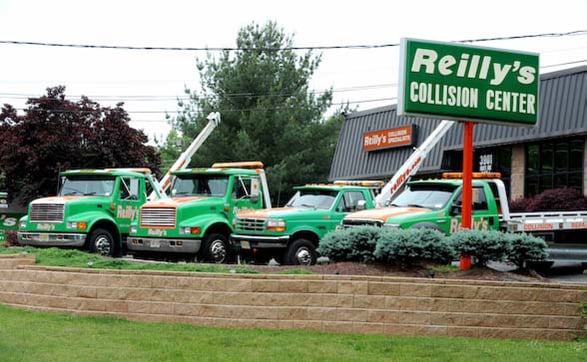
{"x":526,"y":248}
{"x":485,"y":246}
{"x":520,"y":205}
{"x":564,"y":199}
{"x":356,"y":244}
{"x":413,"y":246}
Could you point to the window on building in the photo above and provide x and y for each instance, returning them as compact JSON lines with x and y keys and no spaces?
{"x":554,"y":164}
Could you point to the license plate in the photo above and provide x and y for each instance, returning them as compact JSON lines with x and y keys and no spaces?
{"x":44,"y":237}
{"x":245,"y":245}
{"x":155,"y":243}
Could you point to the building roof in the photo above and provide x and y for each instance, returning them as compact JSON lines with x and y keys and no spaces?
{"x":562,"y":112}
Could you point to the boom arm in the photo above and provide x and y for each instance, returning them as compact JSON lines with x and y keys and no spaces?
{"x":412,"y":164}
{"x":184,"y":159}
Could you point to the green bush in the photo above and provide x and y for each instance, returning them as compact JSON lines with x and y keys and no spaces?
{"x":412,"y":246}
{"x":525,"y":248}
{"x":484,"y":246}
{"x":356,"y":244}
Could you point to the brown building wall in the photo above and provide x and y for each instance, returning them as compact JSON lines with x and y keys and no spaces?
{"x":382,"y":305}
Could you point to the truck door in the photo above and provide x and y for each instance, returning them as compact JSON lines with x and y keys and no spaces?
{"x":130,"y":198}
{"x":347,"y":203}
{"x":483,"y":217}
{"x":246,"y":195}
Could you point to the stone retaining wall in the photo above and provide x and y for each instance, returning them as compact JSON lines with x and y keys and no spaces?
{"x":382,"y":305}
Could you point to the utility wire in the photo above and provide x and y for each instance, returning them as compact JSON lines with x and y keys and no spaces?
{"x":320,"y":47}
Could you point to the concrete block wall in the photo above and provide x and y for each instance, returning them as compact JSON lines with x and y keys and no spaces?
{"x":360,"y":304}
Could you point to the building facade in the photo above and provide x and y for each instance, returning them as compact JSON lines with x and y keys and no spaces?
{"x":373,"y":144}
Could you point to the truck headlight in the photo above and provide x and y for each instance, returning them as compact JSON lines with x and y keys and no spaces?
{"x":189,"y":230}
{"x":133,"y":229}
{"x":275,"y":225}
{"x":22,"y":225}
{"x":79,"y":225}
{"x":391,"y":226}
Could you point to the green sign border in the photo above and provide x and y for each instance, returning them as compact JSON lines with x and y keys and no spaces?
{"x":406,"y":108}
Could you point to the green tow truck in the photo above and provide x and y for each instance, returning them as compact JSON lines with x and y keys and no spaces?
{"x":93,"y":210}
{"x":292,"y":233}
{"x":197,"y":220}
{"x":437,"y":205}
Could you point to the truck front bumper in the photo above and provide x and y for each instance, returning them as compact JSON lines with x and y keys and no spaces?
{"x":51,"y":239}
{"x":259,"y":242}
{"x":163,"y":245}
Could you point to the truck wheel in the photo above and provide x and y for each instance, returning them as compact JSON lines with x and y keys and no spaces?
{"x":102,"y":242}
{"x":215,"y":248}
{"x":300,"y":252}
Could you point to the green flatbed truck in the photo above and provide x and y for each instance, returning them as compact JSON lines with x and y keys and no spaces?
{"x":436,"y":204}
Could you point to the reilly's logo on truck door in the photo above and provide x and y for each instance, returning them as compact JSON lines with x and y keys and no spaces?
{"x":128,"y":212}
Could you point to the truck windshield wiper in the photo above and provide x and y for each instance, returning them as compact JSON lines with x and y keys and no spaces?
{"x":416,"y":205}
{"x":308,"y":206}
{"x":90,"y":193}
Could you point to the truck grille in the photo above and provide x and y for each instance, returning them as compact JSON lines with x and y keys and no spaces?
{"x":356,"y":223}
{"x":47,"y":212}
{"x":248,"y":224}
{"x":162,"y":217}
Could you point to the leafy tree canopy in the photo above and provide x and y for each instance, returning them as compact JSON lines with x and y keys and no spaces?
{"x":56,"y":134}
{"x":268,"y":111}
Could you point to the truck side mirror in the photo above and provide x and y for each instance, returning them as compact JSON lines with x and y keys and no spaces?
{"x":173,"y":192}
{"x":455,"y":209}
{"x":361,"y":204}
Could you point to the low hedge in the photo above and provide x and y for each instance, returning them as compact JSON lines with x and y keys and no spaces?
{"x":357,"y":244}
{"x":415,"y":246}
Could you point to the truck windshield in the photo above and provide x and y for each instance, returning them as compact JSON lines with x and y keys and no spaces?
{"x":316,"y":199}
{"x":200,"y":185}
{"x":426,"y":196}
{"x":86,"y":185}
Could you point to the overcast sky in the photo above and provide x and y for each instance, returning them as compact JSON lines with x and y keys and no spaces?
{"x":150,"y":81}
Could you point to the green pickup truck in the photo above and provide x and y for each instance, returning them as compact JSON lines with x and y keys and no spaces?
{"x":292,"y":233}
{"x":93,"y":210}
{"x":435,"y":204}
{"x":197,"y":220}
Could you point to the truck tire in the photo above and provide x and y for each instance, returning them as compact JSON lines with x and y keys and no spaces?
{"x":215,"y":248}
{"x":300,"y":252}
{"x":102,"y":242}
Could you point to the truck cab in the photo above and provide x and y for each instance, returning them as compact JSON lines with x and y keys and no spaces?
{"x":198,"y":218}
{"x":293,"y":232}
{"x":434,"y":204}
{"x":93,"y":210}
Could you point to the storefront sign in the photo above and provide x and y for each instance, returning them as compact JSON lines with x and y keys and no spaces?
{"x":463,"y":82}
{"x":389,"y":138}
{"x":486,"y":162}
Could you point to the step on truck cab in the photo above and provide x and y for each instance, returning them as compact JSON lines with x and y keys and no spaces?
{"x":292,"y":233}
{"x":93,"y":210}
{"x":198,"y":217}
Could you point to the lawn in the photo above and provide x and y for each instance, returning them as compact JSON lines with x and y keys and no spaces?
{"x":36,"y":336}
{"x":80,"y":259}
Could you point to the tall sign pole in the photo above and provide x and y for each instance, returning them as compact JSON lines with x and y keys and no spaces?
{"x":463,"y":82}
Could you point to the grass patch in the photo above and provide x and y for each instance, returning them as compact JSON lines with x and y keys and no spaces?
{"x":36,"y":336}
{"x":78,"y":259}
{"x":296,"y":272}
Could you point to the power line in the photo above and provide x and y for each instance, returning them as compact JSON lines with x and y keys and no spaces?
{"x":319,"y":47}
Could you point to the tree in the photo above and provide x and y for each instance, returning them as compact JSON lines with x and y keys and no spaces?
{"x":57,"y":134}
{"x":268,"y":111}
